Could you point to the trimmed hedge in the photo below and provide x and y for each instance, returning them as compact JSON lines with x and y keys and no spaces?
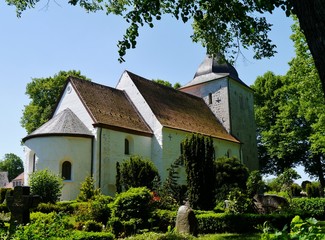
{"x":239,"y":223}
{"x":82,"y":235}
{"x":309,"y":207}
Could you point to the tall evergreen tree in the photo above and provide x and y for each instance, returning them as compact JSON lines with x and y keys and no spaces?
{"x":198,"y":155}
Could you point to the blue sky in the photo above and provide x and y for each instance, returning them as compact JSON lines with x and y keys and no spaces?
{"x":46,"y":40}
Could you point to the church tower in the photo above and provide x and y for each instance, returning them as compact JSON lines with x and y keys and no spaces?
{"x":231,"y":101}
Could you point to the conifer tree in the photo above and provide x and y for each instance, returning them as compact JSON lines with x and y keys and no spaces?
{"x":198,"y":155}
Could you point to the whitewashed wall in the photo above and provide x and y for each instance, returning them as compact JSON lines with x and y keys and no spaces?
{"x":52,"y":151}
{"x":112,"y":149}
{"x":172,"y":148}
{"x":71,"y":100}
{"x":125,"y":83}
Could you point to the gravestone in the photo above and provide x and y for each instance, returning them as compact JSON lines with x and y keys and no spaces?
{"x":186,"y":221}
{"x":19,"y":202}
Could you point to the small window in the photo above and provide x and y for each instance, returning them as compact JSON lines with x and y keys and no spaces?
{"x":66,"y":170}
{"x":210,"y":98}
{"x":126,"y":147}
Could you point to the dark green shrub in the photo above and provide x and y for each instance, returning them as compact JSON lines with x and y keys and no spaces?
{"x":239,"y":202}
{"x":198,"y":156}
{"x":97,"y":209}
{"x":295,"y":190}
{"x":239,"y":223}
{"x":162,"y":219}
{"x":3,"y":192}
{"x":88,"y":190}
{"x":313,"y":190}
{"x":92,"y":226}
{"x":46,"y":184}
{"x":230,"y":173}
{"x":131,"y":211}
{"x":82,"y":235}
{"x":308,"y":207}
{"x":134,"y":203}
{"x":255,"y":184}
{"x":137,"y":172}
{"x":4,"y":208}
{"x":122,"y":228}
{"x":66,"y":207}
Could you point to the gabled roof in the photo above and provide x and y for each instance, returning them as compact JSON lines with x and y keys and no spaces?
{"x":64,"y":123}
{"x":213,"y":68}
{"x":179,"y":110}
{"x":110,"y":107}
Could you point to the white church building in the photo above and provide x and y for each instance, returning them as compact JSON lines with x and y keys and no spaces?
{"x":94,"y":126}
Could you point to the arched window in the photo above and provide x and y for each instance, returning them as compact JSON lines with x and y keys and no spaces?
{"x":126,"y":146}
{"x":66,"y":170}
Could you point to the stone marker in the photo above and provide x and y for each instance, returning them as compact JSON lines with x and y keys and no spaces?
{"x":186,"y":221}
{"x":19,"y":202}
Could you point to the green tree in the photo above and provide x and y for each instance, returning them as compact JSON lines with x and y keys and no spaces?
{"x":223,"y":26}
{"x":138,"y":172}
{"x":46,"y":184}
{"x":166,"y":83}
{"x":230,"y":174}
{"x":255,"y":184}
{"x":12,"y":164}
{"x":44,"y":94}
{"x":282,"y":141}
{"x":88,"y":190}
{"x":198,"y":156}
{"x":311,"y":104}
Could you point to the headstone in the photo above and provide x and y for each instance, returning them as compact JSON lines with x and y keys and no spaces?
{"x":269,"y":203}
{"x":19,"y":202}
{"x":186,"y":221}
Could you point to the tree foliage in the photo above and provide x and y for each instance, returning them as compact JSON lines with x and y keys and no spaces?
{"x":290,"y":114}
{"x":138,"y":172}
{"x":166,"y":83}
{"x":198,"y":156}
{"x":12,"y":164}
{"x":46,"y":184}
{"x":230,"y":174}
{"x":88,"y":191}
{"x":223,"y":26}
{"x":44,"y":94}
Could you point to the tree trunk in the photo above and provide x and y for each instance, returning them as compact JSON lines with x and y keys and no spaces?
{"x":320,"y":173}
{"x":311,"y":15}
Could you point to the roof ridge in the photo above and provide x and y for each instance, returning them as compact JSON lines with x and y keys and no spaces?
{"x":161,"y":85}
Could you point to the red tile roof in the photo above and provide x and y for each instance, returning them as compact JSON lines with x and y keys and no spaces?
{"x":110,"y":107}
{"x":179,"y":110}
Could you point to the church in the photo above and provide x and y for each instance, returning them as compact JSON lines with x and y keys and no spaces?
{"x":95,"y":126}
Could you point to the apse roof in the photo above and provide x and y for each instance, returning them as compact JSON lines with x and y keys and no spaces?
{"x":213,"y":68}
{"x":110,"y":107}
{"x":64,"y":123}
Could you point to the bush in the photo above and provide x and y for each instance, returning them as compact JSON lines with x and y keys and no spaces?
{"x":239,"y":223}
{"x":313,"y":190}
{"x":230,"y":173}
{"x":88,"y":190}
{"x":163,"y":219}
{"x":138,"y":172}
{"x":134,"y":203}
{"x":3,"y":193}
{"x":97,"y":209}
{"x":92,"y":226}
{"x":82,"y":235}
{"x":308,"y":207}
{"x":131,"y":211}
{"x":44,"y":226}
{"x":46,"y":184}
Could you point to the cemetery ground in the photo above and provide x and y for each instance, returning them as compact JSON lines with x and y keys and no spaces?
{"x":137,"y":214}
